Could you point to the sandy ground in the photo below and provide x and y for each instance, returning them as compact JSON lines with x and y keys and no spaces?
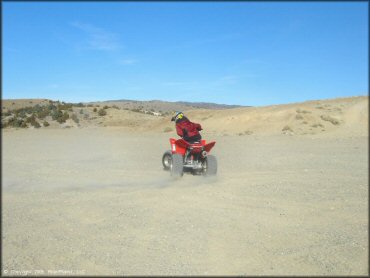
{"x":96,"y":201}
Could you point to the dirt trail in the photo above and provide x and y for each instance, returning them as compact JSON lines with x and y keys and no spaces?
{"x":96,"y":201}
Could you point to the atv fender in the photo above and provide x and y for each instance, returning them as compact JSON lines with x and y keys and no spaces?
{"x":209,"y":146}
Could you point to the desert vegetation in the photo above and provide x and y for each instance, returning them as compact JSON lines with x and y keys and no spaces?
{"x":102,"y":112}
{"x":287,"y":129}
{"x":299,"y":117}
{"x":75,"y":118}
{"x":38,"y":114}
{"x":141,"y":109}
{"x":299,"y":110}
{"x":317,"y":125}
{"x":327,"y":118}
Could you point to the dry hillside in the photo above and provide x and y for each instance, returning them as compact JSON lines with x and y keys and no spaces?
{"x":344,"y":115}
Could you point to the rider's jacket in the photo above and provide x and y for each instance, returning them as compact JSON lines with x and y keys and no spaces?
{"x":188,"y":130}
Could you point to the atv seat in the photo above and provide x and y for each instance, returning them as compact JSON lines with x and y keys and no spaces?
{"x":195,"y":147}
{"x":195,"y":144}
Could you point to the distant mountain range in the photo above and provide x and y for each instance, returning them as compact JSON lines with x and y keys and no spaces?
{"x":210,"y":105}
{"x":166,"y":106}
{"x":159,"y":106}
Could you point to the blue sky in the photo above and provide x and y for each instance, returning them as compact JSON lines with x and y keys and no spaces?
{"x":246,"y":53}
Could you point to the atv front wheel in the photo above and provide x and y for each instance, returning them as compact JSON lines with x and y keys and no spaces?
{"x":167,"y":160}
{"x":210,"y":165}
{"x":177,"y":165}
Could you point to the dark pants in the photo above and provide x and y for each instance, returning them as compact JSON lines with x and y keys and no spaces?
{"x":193,"y":139}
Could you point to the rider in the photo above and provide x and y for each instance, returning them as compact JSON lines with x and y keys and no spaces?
{"x":186,"y":129}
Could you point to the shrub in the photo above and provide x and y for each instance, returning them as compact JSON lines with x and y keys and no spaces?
{"x":59,"y":116}
{"x":102,"y":112}
{"x":64,"y":117}
{"x":22,"y":114}
{"x":75,"y":118}
{"x":317,"y":125}
{"x":115,"y":107}
{"x":31,"y":119}
{"x":298,"y":117}
{"x":46,"y":124}
{"x":10,"y":121}
{"x":65,"y":106}
{"x":23,"y":124}
{"x":51,"y":107}
{"x":43,"y":113}
{"x":330,"y":119}
{"x":287,"y":128}
{"x":15,"y":122}
{"x":56,"y":114}
{"x":106,"y":107}
{"x":36,"y":124}
{"x":95,"y":109}
{"x":7,"y":113}
{"x":81,"y":111}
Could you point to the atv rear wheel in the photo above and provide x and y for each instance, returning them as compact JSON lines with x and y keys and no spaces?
{"x":177,"y":165}
{"x":167,"y":160}
{"x":210,"y":165}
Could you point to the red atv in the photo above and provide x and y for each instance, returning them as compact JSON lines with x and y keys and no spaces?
{"x":186,"y":157}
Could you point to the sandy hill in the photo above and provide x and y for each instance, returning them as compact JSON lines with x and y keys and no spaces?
{"x":345,"y":116}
